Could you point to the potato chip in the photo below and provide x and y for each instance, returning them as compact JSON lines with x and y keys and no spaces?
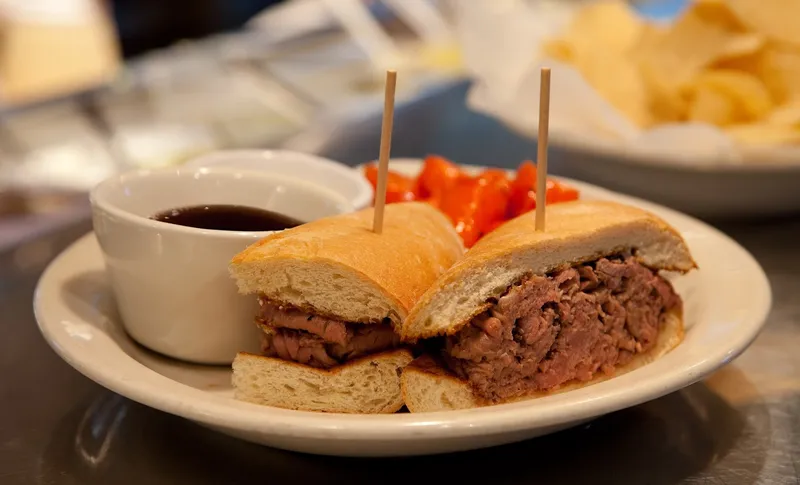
{"x":709,"y":105}
{"x":559,"y":49}
{"x":787,"y":114}
{"x":763,"y":134}
{"x":730,"y":63}
{"x":596,"y":43}
{"x":666,"y":102}
{"x":777,"y":65}
{"x":620,"y":83}
{"x":689,"y":45}
{"x":604,"y":27}
{"x":748,"y":93}
{"x":779,"y":20}
{"x":781,"y":70}
{"x":718,"y":12}
{"x":741,"y":45}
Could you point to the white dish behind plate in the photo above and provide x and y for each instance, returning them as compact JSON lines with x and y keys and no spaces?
{"x":693,"y":167}
{"x":726,"y":301}
{"x":712,"y":191}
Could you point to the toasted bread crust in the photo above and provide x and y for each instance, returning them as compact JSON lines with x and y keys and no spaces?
{"x":417,"y":245}
{"x":579,"y":219}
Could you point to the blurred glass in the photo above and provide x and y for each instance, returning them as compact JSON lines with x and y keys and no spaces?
{"x":53,"y":48}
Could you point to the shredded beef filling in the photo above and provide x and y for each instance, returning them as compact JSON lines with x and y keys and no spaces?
{"x":292,"y":334}
{"x":569,"y":325}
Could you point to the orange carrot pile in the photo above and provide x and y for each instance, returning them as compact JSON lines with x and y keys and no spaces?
{"x":476,"y":204}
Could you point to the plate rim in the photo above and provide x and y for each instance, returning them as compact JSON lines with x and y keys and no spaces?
{"x":216,"y":410}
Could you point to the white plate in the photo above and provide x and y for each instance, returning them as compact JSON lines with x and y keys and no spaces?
{"x":726,"y":304}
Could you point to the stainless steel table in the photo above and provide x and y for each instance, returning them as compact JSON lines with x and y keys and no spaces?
{"x":741,"y":426}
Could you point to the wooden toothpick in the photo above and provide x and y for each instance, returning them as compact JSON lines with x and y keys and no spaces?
{"x":541,"y":163}
{"x":385,"y":150}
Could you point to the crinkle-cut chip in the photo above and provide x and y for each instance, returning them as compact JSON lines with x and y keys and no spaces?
{"x":764,"y":134}
{"x":779,"y":20}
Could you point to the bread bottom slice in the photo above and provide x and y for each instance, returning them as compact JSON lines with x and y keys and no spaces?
{"x":367,"y":385}
{"x":427,"y":389}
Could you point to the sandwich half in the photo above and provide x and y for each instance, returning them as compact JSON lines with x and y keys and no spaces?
{"x":331,"y":293}
{"x":526,"y":313}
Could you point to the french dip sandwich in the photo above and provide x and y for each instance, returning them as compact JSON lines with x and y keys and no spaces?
{"x":528,"y":313}
{"x":331,"y":293}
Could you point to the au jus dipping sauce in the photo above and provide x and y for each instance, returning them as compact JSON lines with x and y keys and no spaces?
{"x":222,"y":217}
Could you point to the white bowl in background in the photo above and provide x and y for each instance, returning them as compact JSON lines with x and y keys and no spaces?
{"x":171,"y":283}
{"x":330,"y":174}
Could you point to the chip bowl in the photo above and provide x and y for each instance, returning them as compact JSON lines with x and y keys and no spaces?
{"x":697,"y":167}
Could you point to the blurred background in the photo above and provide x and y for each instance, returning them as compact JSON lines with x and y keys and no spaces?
{"x":90,"y":88}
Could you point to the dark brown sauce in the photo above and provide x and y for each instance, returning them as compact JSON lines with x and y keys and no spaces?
{"x":227,"y":218}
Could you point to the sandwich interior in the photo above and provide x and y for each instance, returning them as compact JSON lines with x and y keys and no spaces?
{"x":312,"y":362}
{"x":309,"y":338}
{"x":570,"y":325}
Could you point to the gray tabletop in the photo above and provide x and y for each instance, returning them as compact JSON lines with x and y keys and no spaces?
{"x":740,"y":426}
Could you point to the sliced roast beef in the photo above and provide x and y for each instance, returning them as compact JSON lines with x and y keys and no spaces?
{"x":318,"y":341}
{"x":279,"y":316}
{"x":297,"y":346}
{"x":569,"y":325}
